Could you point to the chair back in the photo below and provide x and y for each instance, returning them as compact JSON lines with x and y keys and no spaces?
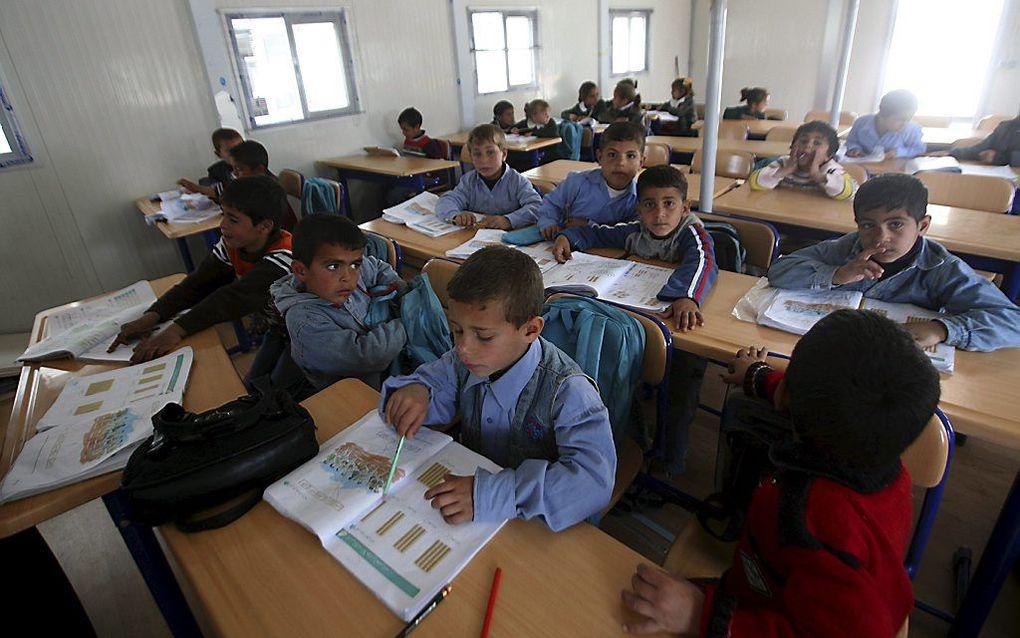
{"x":735,"y":164}
{"x":440,"y":272}
{"x":776,"y":114}
{"x":543,"y":186}
{"x":780,"y":134}
{"x":699,"y":111}
{"x":980,"y":192}
{"x":845,"y":117}
{"x":934,"y":121}
{"x":656,"y":154}
{"x":760,"y":239}
{"x":392,"y":250}
{"x":291,"y":180}
{"x":465,"y":155}
{"x":729,"y":130}
{"x":989,"y":122}
{"x":927,"y":459}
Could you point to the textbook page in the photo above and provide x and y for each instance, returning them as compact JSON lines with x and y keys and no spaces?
{"x":517,"y":138}
{"x":483,"y":237}
{"x":402,"y":549}
{"x":639,"y":287}
{"x":877,"y":155}
{"x":348,"y":475}
{"x":143,"y":389}
{"x":942,"y":355}
{"x":1004,"y":172}
{"x":421,"y":206}
{"x":138,"y":293}
{"x":625,"y":282}
{"x":122,"y":353}
{"x":542,"y":254}
{"x":942,"y":164}
{"x":797,"y":311}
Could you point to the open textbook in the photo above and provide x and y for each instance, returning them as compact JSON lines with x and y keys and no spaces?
{"x":86,"y":330}
{"x":419,"y":213}
{"x":951,"y":165}
{"x":95,"y":423}
{"x":397,"y":546}
{"x":798,"y":310}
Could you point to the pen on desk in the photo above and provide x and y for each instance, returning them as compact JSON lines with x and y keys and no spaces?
{"x":492,"y":602}
{"x":393,"y":466}
{"x":425,"y":612}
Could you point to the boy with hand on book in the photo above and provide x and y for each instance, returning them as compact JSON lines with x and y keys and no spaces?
{"x":331,"y":304}
{"x":505,"y":196}
{"x":665,"y":230}
{"x":605,"y":195}
{"x":811,"y":165}
{"x":825,"y":534}
{"x":222,"y":172}
{"x":889,"y":259}
{"x":522,"y":402}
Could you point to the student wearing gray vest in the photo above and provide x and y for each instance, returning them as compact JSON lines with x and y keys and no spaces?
{"x":521,"y":401}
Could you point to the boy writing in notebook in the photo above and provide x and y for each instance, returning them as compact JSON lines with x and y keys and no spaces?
{"x":890,"y":130}
{"x":223,"y":139}
{"x":232,"y":281}
{"x":504,"y":196}
{"x":328,"y":304}
{"x":889,"y":259}
{"x":811,"y":164}
{"x":821,"y":551}
{"x":605,"y":195}
{"x":521,"y":402}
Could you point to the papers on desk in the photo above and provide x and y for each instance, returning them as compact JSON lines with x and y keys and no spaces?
{"x":95,"y":423}
{"x":797,"y":311}
{"x":483,"y":237}
{"x":419,"y":214}
{"x":624,"y":282}
{"x":382,"y":151}
{"x":950,"y":165}
{"x":83,"y":328}
{"x":1003,"y":172}
{"x":183,"y":208}
{"x":876,"y":155}
{"x":517,"y":138}
{"x":663,"y":116}
{"x":398,"y":546}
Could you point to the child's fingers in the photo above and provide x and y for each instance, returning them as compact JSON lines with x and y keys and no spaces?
{"x":652,"y":575}
{"x":700,"y":318}
{"x":442,"y":488}
{"x":462,"y":516}
{"x":637,"y":604}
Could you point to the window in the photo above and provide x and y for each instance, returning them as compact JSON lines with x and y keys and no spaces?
{"x":13,"y":150}
{"x":293,"y":66}
{"x":503,"y":44}
{"x":630,"y":41}
{"x":948,"y":80}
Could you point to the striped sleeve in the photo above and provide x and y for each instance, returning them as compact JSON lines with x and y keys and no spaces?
{"x":697,"y":271}
{"x":280,"y":258}
{"x":219,"y":251}
{"x":838,"y":183}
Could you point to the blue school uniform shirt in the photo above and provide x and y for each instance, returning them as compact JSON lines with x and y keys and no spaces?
{"x":978,"y":315}
{"x":513,"y":196}
{"x":864,"y":137}
{"x":563,"y":491}
{"x":586,"y":194}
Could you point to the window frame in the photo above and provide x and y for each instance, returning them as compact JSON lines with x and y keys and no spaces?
{"x":631,"y":13}
{"x":19,"y":154}
{"x":532,"y":15}
{"x":290,"y":17}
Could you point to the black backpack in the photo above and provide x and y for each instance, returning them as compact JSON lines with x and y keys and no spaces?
{"x":729,"y":254}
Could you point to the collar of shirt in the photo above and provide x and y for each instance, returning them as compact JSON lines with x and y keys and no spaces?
{"x":676,"y":103}
{"x":508,"y":387}
{"x":582,"y":108}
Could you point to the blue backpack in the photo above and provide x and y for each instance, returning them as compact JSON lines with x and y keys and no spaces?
{"x":570,"y":146}
{"x":608,"y":344}
{"x":318,"y":195}
{"x":428,"y":334}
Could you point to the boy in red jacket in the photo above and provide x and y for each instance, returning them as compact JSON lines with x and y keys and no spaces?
{"x":822,"y":548}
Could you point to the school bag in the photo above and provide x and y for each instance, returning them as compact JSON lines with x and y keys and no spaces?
{"x":607,"y":343}
{"x":570,"y":134}
{"x":318,"y":196}
{"x":748,"y":429}
{"x":428,"y":334}
{"x":729,"y":253}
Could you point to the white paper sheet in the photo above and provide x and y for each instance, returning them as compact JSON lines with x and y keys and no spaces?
{"x":107,"y":306}
{"x":483,"y":237}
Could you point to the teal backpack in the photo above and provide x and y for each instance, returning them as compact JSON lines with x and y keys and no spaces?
{"x":428,"y":334}
{"x":607,"y":343}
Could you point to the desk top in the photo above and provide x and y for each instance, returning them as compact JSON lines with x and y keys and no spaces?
{"x":418,"y":245}
{"x":175,"y":230}
{"x":758,"y":148}
{"x":213,"y":381}
{"x":558,"y":170}
{"x":899,"y":165}
{"x":396,"y":166}
{"x":979,"y":398}
{"x":961,"y":230}
{"x":460,"y":139}
{"x":266,"y":575}
{"x":935,"y":136}
{"x":762,"y":127}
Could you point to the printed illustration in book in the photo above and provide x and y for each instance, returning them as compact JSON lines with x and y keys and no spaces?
{"x":397,"y":546}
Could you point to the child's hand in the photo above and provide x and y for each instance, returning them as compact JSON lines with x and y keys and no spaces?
{"x":495,"y":221}
{"x":987,"y":156}
{"x":188,"y":185}
{"x":859,"y":268}
{"x":159,"y":345}
{"x":737,"y":369}
{"x":407,"y":408}
{"x":817,"y":159}
{"x":669,"y":604}
{"x":788,"y":168}
{"x":464,"y":219}
{"x":927,"y":333}
{"x":683,"y":315}
{"x":550,"y":232}
{"x":855,"y":152}
{"x":454,"y":498}
{"x":132,"y":330}
{"x":561,"y":249}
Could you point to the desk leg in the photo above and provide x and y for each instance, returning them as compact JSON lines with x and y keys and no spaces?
{"x":182,"y":246}
{"x":155,"y":569}
{"x":999,"y":557}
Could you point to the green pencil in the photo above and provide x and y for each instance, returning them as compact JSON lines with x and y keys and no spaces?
{"x":393,"y":466}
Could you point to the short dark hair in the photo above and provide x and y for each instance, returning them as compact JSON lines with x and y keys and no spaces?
{"x":318,"y":230}
{"x":860,"y":389}
{"x":753,"y":94}
{"x":624,"y":132}
{"x":898,"y":102}
{"x":585,"y":89}
{"x":250,"y":153}
{"x":221,"y":135}
{"x":892,"y":191}
{"x":500,"y":273}
{"x":663,"y":176}
{"x":818,"y":126}
{"x":410,"y":116}
{"x":502,"y":107}
{"x":258,"y":197}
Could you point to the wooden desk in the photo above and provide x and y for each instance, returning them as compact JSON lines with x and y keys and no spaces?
{"x":689,"y":145}
{"x":209,"y":229}
{"x":758,"y":129}
{"x":213,"y":381}
{"x":459,"y":140}
{"x":938,"y":138}
{"x":417,"y":248}
{"x":899,"y":165}
{"x":408,"y":172}
{"x":557,"y":171}
{"x":266,"y":575}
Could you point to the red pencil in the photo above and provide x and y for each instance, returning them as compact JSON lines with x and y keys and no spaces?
{"x":492,"y":602}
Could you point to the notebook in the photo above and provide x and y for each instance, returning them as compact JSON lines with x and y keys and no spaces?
{"x":419,"y":214}
{"x":382,"y":151}
{"x":398,"y":546}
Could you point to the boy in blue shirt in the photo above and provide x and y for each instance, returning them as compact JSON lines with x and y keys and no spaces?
{"x":889,"y":259}
{"x":522,"y":402}
{"x":890,"y":129}
{"x":601,"y":196}
{"x":505,"y":196}
{"x":329,"y":304}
